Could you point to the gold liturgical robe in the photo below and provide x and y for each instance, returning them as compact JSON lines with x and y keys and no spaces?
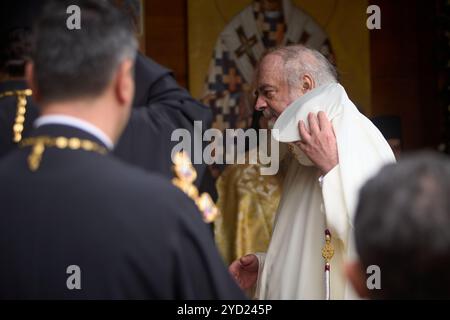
{"x":247,"y":202}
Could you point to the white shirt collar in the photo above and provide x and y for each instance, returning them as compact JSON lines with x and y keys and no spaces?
{"x":76,"y":123}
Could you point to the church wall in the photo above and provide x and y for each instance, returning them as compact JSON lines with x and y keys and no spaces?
{"x":166,"y":35}
{"x":403,"y":68}
{"x":343,"y":21}
{"x":402,"y":75}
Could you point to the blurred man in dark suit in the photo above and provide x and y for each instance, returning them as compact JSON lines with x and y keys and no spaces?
{"x":75,"y":223}
{"x":160,"y":104}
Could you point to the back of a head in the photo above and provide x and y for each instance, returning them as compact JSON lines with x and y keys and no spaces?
{"x":401,"y":225}
{"x":73,"y":63}
{"x":300,"y":60}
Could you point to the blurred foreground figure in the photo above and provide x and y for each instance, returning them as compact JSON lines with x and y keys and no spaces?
{"x":401,"y":226}
{"x":160,"y":104}
{"x":74,"y":222}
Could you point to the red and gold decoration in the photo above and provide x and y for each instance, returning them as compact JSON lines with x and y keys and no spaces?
{"x":184,"y":180}
{"x":327,"y":254}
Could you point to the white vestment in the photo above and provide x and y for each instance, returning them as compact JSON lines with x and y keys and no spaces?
{"x":293,"y":267}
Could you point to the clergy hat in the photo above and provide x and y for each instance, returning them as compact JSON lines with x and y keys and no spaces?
{"x":389,"y":125}
{"x":16,"y":22}
{"x":19,"y":14}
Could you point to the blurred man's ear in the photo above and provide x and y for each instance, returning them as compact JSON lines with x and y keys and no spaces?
{"x":29,"y":76}
{"x":124,"y":83}
{"x":307,"y":83}
{"x":355,"y":273}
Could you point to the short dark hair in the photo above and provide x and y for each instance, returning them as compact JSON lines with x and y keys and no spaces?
{"x":402,"y":225}
{"x":80,"y":62}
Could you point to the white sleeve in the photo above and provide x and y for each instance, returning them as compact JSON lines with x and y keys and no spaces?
{"x":261,"y":259}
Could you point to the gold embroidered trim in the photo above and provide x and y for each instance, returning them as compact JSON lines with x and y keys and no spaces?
{"x":40,"y":143}
{"x":20,"y":111}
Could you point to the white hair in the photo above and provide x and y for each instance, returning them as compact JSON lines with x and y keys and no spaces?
{"x":300,"y":60}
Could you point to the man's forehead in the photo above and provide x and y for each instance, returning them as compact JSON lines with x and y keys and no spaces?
{"x":269,"y":72}
{"x":271,"y":62}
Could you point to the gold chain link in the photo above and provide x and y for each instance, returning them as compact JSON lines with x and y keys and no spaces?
{"x":21,"y":109}
{"x":40,"y":143}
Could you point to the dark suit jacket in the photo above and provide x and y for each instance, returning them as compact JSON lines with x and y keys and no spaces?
{"x":132,"y":234}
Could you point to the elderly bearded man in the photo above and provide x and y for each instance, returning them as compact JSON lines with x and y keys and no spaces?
{"x":325,"y":170}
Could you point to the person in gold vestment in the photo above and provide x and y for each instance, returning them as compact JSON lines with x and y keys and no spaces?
{"x":247,"y":201}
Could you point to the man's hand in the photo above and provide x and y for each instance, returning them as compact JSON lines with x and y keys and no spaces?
{"x":319,"y":144}
{"x":245,"y":271}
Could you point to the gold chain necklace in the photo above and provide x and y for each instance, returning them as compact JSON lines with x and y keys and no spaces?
{"x":21,"y":109}
{"x":41,"y":142}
